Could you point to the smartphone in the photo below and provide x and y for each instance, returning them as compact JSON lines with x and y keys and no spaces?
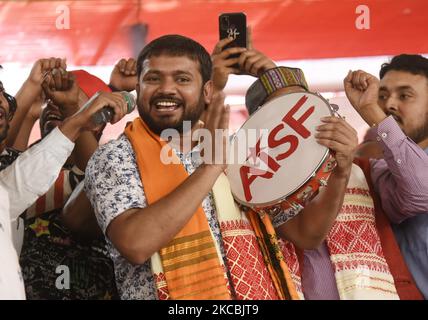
{"x":233,"y":25}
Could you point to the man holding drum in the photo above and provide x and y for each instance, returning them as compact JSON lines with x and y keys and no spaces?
{"x":397,"y":108}
{"x":359,"y":258}
{"x":174,"y":230}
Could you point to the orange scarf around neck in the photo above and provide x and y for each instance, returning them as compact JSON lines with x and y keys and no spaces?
{"x":190,"y":261}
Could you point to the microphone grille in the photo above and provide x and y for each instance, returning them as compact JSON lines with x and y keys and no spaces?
{"x":130,"y":100}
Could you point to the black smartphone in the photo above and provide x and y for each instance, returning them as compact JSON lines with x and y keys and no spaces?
{"x":233,"y":25}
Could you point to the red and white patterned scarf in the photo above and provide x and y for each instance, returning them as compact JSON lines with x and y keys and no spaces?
{"x":355,"y":249}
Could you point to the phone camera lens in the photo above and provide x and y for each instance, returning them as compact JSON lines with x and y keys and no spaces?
{"x":224,"y":23}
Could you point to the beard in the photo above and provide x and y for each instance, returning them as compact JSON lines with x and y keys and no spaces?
{"x":420,"y":134}
{"x":191,"y":114}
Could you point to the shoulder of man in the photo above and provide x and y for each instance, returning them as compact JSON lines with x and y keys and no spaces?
{"x":114,"y":148}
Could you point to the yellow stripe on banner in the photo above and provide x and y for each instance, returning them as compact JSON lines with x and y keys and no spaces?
{"x":194,"y":276}
{"x":358,"y":199}
{"x":179,"y":259}
{"x":185,"y":245}
{"x":185,"y":275}
{"x":218,"y":296}
{"x":201,"y":281}
{"x":192,"y":237}
{"x":190,"y":262}
{"x":234,"y":233}
{"x":186,"y":251}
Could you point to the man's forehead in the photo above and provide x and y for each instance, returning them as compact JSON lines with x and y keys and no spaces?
{"x":395,"y":80}
{"x":170,"y":63}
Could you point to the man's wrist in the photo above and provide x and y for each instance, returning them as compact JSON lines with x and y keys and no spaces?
{"x":372,"y":114}
{"x":266,"y":67}
{"x":72,"y":127}
{"x":342,"y":173}
{"x":70,"y":109}
{"x":30,"y":86}
{"x":33,"y":84}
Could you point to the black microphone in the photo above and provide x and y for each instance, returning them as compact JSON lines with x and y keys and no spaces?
{"x":106,"y":114}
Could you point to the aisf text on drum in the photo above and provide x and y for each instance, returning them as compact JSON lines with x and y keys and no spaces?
{"x":288,"y":156}
{"x":249,"y":172}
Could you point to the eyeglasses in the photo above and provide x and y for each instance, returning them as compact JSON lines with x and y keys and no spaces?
{"x":10,"y":100}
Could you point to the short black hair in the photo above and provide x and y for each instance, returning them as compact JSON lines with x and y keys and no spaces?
{"x":176,"y":46}
{"x":412,"y":63}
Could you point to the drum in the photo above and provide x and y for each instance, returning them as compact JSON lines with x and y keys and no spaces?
{"x":276,"y":163}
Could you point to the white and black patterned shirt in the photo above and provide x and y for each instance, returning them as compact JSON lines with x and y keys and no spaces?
{"x":113,"y":185}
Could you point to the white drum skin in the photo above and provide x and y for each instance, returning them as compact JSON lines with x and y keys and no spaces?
{"x":274,"y":153}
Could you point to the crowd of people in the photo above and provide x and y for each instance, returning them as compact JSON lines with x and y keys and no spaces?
{"x":126,"y":225}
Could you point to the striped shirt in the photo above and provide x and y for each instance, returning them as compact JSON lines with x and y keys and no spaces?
{"x":401,"y":180}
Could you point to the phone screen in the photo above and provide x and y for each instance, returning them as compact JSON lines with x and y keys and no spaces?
{"x":234,"y":25}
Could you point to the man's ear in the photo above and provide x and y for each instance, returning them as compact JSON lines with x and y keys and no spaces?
{"x":208,"y":91}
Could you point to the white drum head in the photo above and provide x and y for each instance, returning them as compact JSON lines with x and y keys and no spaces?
{"x":270,"y":181}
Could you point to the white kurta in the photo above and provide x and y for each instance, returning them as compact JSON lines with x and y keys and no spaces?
{"x":27,"y":178}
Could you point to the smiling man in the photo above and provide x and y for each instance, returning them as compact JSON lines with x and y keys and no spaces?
{"x":397,"y":106}
{"x":174,"y":230}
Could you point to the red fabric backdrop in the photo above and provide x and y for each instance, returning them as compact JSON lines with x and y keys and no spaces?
{"x":100,"y":30}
